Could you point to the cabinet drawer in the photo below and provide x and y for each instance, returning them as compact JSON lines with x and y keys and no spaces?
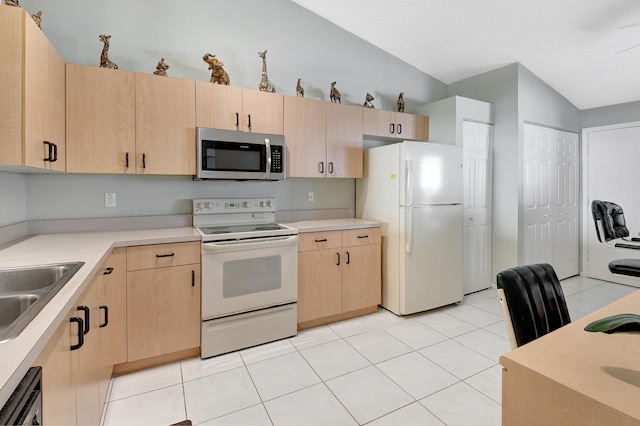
{"x":359,"y":237}
{"x":319,"y":240}
{"x":162,"y":255}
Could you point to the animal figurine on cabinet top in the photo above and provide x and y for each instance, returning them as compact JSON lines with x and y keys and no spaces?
{"x":37,"y":18}
{"x":299,"y":90}
{"x":367,"y":101}
{"x":265,"y":85}
{"x":15,"y":3}
{"x":161,"y":68}
{"x":400,"y":102}
{"x":104,"y":56}
{"x":218,"y":74}
{"x":334,"y":94}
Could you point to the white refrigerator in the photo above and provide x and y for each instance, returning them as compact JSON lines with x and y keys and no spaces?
{"x":415,"y":190}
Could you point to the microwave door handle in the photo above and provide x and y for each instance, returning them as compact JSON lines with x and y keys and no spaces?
{"x":268,"y":145}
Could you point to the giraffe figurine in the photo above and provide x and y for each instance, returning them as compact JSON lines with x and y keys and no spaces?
{"x":104,"y":56}
{"x":265,"y":85}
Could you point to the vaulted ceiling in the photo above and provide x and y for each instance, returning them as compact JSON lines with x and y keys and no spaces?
{"x":587,"y":50}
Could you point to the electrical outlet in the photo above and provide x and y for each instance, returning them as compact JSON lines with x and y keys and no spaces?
{"x":309,"y":197}
{"x":109,"y":199}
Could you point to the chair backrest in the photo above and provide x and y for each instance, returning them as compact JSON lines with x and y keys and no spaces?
{"x":535,"y":302}
{"x":611,"y":217}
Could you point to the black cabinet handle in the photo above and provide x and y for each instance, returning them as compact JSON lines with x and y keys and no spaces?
{"x":249,"y":115}
{"x":108,"y":271}
{"x":331,"y":167}
{"x":348,"y":258}
{"x":392,"y":128}
{"x":87,"y":326}
{"x":363,"y":236}
{"x":126,"y":160}
{"x":399,"y":129}
{"x":49,"y":150}
{"x":338,"y":259}
{"x":166,"y":255}
{"x":106,"y":315}
{"x":80,"y":333}
{"x":324,"y":240}
{"x":55,"y":152}
{"x":144,"y":161}
{"x":322,"y":167}
{"x":237,"y":120}
{"x":193,"y":278}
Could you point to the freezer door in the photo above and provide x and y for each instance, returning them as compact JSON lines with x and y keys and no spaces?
{"x":432,"y":174}
{"x":432,"y":258}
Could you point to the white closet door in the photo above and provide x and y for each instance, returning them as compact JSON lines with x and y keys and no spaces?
{"x":477,"y":173}
{"x":550,"y":205}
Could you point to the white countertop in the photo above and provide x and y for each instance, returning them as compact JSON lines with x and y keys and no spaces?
{"x":333,"y":224}
{"x":92,"y":248}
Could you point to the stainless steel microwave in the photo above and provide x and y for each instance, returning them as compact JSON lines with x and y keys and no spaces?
{"x":228,"y":154}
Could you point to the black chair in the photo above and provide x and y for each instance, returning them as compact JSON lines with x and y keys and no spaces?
{"x":611,"y":226}
{"x":532,"y":302}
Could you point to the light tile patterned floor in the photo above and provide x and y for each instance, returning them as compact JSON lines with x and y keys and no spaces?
{"x":434,"y":368}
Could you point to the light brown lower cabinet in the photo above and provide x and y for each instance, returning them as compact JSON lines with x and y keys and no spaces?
{"x":339,"y":275}
{"x":163,"y":299}
{"x":78,"y":360}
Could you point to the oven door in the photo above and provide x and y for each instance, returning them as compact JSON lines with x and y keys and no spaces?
{"x":246,"y":275}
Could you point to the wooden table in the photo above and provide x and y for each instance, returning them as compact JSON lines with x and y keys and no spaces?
{"x":573,"y":377}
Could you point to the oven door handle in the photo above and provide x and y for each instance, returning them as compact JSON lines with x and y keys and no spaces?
{"x":271,"y":242}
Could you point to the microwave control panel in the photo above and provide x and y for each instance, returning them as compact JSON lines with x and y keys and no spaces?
{"x":276,"y":159}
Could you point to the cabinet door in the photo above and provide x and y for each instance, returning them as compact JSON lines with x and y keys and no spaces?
{"x":58,"y":388}
{"x":218,"y":107}
{"x":100,"y":120}
{"x":165,"y":125}
{"x":377,"y":122}
{"x":87,"y":372}
{"x":361,"y":277}
{"x":112,"y":318}
{"x":344,"y":141}
{"x":262,"y":112}
{"x":11,"y":24}
{"x":44,"y":101}
{"x":163,"y":311}
{"x":305,"y":131}
{"x":409,"y":126}
{"x":319,"y":284}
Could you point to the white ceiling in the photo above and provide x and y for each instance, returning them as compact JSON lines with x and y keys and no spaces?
{"x":584,"y":49}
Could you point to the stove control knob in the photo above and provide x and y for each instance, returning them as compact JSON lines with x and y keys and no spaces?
{"x":200,"y":206}
{"x":261,"y":203}
{"x":245,"y":204}
{"x":268,"y":203}
{"x":209,"y":205}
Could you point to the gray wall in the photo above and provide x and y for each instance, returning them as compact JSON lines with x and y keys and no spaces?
{"x":613,"y":114}
{"x":300,"y":45}
{"x":12,"y":198}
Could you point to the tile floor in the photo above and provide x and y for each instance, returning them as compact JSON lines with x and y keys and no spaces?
{"x":435,"y":368}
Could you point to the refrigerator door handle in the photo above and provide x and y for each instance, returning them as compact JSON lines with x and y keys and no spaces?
{"x":408,"y":231}
{"x":408,"y":188}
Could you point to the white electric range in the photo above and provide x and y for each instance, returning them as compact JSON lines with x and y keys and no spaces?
{"x":249,"y":273}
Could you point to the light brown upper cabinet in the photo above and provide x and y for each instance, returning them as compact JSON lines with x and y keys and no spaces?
{"x":32,"y":84}
{"x":165,"y":125}
{"x":323,"y":139}
{"x":101,"y":120}
{"x":125,"y":122}
{"x":235,"y":108}
{"x":396,"y":125}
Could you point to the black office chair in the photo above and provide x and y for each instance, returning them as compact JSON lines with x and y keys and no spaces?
{"x":532,"y":301}
{"x":611,"y":227}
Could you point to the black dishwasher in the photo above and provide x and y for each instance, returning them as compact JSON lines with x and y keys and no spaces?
{"x":24,"y":407}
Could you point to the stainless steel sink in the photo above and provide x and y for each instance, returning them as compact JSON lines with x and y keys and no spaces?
{"x":24,"y":291}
